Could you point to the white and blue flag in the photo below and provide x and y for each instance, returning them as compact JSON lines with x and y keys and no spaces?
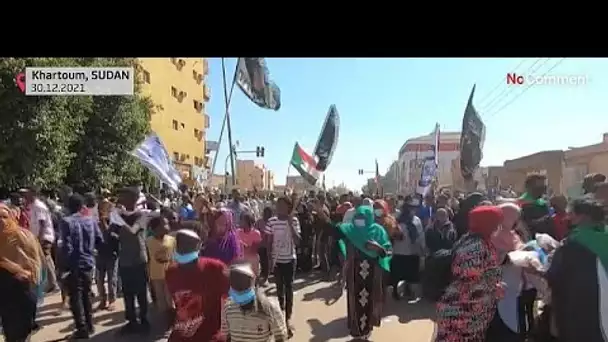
{"x":152,"y":154}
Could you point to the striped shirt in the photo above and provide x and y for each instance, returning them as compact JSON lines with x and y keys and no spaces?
{"x":283,"y":246}
{"x":253,"y":326}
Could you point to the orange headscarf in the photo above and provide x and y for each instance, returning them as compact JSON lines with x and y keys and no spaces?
{"x":387,"y":220}
{"x":20,"y":251}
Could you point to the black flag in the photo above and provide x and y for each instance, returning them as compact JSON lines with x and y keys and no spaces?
{"x":471,"y":140}
{"x":328,"y":139}
{"x":253,"y":79}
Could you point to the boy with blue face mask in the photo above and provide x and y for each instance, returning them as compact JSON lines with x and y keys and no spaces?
{"x":198,"y":287}
{"x":248,"y":315}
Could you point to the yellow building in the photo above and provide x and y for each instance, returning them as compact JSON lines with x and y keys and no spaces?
{"x":177,"y":87}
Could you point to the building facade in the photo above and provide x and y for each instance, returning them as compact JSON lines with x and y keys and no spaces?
{"x":178,"y":90}
{"x":217,"y":181}
{"x":245,"y":170}
{"x":389,"y":183}
{"x":298,"y":184}
{"x":269,"y":185}
{"x":479,"y":178}
{"x":413,"y":152}
{"x":581,"y":161}
{"x":548,"y":163}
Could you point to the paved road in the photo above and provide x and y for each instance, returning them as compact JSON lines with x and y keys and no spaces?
{"x":318,"y":317}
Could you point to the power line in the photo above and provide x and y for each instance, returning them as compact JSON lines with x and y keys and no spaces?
{"x":525,"y":89}
{"x":508,"y":90}
{"x":501,"y":83}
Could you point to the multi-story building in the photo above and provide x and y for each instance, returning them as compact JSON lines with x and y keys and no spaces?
{"x":413,"y":152}
{"x":177,"y":87}
{"x":217,"y":181}
{"x":269,"y":180}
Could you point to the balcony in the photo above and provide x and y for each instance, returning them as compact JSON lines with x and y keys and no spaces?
{"x":206,"y":118}
{"x":206,"y":93}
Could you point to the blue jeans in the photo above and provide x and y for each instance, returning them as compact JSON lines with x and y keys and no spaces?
{"x":107,"y":267}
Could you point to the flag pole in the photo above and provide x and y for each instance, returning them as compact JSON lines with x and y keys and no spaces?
{"x":219,"y":142}
{"x":227,"y":118}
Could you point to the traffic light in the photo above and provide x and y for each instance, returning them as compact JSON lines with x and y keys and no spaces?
{"x":259,"y":151}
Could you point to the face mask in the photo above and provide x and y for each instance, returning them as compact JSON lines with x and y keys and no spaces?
{"x":359,"y":223}
{"x":242,"y":298}
{"x":185,"y":258}
{"x":378,"y":212}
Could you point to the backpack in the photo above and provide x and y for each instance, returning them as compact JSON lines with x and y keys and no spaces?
{"x":438,"y":271}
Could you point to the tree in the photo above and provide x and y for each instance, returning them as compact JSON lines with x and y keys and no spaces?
{"x":48,"y":140}
{"x":111,"y":131}
{"x":36,"y":132}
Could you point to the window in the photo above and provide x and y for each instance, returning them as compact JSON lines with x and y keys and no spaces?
{"x":175,"y":155}
{"x":183,"y":125}
{"x":198,"y":106}
{"x":180,"y":64}
{"x":181,"y":96}
{"x":175,"y":125}
{"x":197,"y":77}
{"x":196,"y":133}
{"x":146,"y":76}
{"x":196,"y":161}
{"x":173,"y":91}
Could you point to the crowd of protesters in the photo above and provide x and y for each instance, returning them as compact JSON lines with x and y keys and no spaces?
{"x":499,"y":268}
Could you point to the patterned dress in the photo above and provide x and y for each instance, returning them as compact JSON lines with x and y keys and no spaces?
{"x":364,"y":292}
{"x":465,"y":310}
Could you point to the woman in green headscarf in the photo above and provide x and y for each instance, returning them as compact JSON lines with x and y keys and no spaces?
{"x":367,"y":248}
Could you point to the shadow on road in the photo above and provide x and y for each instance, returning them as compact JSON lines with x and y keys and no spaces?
{"x":329,"y":294}
{"x":157,"y":333}
{"x":300,"y":282}
{"x":409,"y":311}
{"x":325,"y":332}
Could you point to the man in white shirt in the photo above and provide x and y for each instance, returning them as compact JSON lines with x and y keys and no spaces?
{"x":41,"y":225}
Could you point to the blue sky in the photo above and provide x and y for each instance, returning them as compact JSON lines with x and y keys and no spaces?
{"x":383,"y":102}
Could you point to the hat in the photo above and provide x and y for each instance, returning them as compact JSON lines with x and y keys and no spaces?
{"x":243,"y":268}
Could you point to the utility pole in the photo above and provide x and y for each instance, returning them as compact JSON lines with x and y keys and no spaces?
{"x":227,"y":103}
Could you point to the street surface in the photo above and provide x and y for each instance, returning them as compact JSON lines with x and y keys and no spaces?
{"x":318,"y":317}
